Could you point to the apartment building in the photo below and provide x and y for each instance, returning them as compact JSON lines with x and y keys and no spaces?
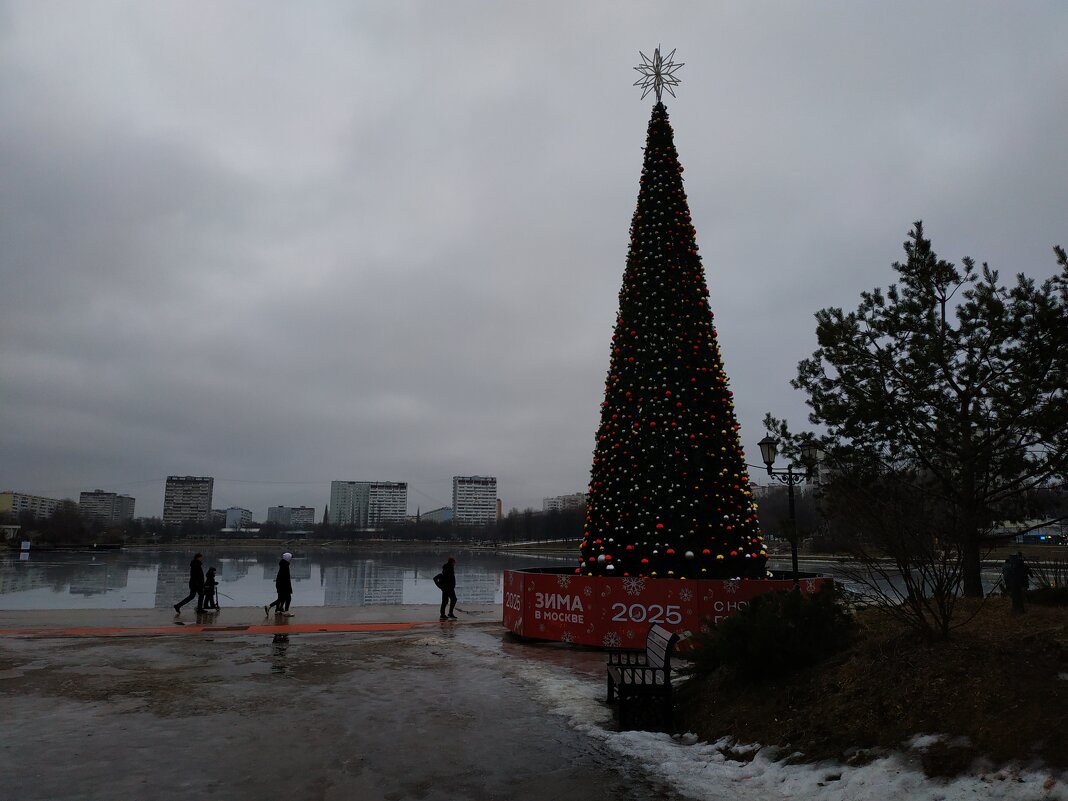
{"x":106,"y":507}
{"x":15,"y":503}
{"x":442,"y":514}
{"x":187,"y":498}
{"x":563,"y":503}
{"x":474,"y":500}
{"x":237,"y":518}
{"x":368,"y":504}
{"x":300,"y":517}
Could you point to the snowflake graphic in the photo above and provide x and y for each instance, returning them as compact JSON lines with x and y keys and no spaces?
{"x":731,"y":586}
{"x":611,"y":640}
{"x":685,"y":594}
{"x":563,"y":581}
{"x":810,"y":585}
{"x":634,"y":585}
{"x":587,"y":590}
{"x":567,"y":636}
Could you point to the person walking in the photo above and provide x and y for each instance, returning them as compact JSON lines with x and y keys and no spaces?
{"x":446,"y":582}
{"x":196,"y":585}
{"x":284,"y":586}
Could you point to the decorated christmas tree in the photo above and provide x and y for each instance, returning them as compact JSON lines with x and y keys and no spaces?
{"x":669,"y":493}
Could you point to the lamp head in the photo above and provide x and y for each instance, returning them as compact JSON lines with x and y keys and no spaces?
{"x":769,"y":448}
{"x":810,"y":454}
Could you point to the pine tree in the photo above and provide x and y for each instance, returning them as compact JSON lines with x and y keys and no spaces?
{"x":950,"y":384}
{"x":669,"y":493}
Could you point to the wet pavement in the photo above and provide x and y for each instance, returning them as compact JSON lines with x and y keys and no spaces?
{"x":142,"y":622}
{"x":241,"y":708}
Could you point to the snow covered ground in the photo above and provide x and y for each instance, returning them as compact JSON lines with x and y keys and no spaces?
{"x":728,"y":771}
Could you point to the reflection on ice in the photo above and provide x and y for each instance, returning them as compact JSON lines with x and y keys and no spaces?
{"x":154,"y":578}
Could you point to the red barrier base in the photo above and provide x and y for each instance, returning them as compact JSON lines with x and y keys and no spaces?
{"x":557,"y":605}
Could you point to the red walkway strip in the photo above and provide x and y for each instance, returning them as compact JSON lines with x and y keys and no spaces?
{"x":177,"y":628}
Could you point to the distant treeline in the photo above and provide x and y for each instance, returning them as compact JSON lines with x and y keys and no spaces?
{"x":67,"y":526}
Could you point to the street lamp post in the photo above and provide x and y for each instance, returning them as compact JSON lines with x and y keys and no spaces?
{"x":769,"y":448}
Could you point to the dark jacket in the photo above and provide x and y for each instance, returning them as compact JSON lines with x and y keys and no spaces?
{"x":282,"y":581}
{"x":446,"y":579}
{"x":1016,"y":573}
{"x":196,"y":575}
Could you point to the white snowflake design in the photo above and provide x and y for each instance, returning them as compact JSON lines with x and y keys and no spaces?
{"x":730,"y":586}
{"x":611,"y":640}
{"x":634,"y":585}
{"x":563,"y":581}
{"x":810,"y":585}
{"x":685,"y":594}
{"x":567,"y":636}
{"x":587,"y":590}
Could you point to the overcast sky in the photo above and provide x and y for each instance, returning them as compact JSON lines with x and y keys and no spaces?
{"x":286,"y":243}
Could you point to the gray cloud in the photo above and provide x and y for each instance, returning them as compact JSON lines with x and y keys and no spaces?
{"x":283,"y":244}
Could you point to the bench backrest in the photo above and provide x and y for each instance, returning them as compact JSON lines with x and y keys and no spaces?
{"x":659,"y":643}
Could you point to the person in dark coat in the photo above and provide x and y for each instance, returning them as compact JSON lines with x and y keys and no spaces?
{"x":1017,"y":576}
{"x":446,"y":582}
{"x":196,"y":585}
{"x":211,"y":597}
{"x":284,"y":586}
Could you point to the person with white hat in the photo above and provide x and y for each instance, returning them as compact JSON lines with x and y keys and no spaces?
{"x":284,"y":586}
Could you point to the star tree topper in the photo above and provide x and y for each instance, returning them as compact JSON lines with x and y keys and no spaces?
{"x":658,"y":73}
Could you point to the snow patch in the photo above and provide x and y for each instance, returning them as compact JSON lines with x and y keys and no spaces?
{"x":726,"y":770}
{"x":920,"y":742}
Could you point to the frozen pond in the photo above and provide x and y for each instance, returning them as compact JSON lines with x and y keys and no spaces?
{"x":138,"y":578}
{"x":148,"y":578}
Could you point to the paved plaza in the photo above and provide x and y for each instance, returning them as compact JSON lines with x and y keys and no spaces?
{"x":333,"y":703}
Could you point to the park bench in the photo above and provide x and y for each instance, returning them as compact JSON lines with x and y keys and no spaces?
{"x":639,"y":683}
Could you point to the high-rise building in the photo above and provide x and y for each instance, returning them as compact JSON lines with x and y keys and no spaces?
{"x":238,"y":518}
{"x":106,"y":507}
{"x":17,"y":502}
{"x":442,"y":514}
{"x":347,"y":499}
{"x":474,"y":500}
{"x":301,"y":517}
{"x":387,"y":502}
{"x":368,"y":504}
{"x":187,"y":498}
{"x":563,"y":503}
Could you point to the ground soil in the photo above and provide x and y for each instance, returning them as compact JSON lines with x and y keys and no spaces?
{"x":998,"y":690}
